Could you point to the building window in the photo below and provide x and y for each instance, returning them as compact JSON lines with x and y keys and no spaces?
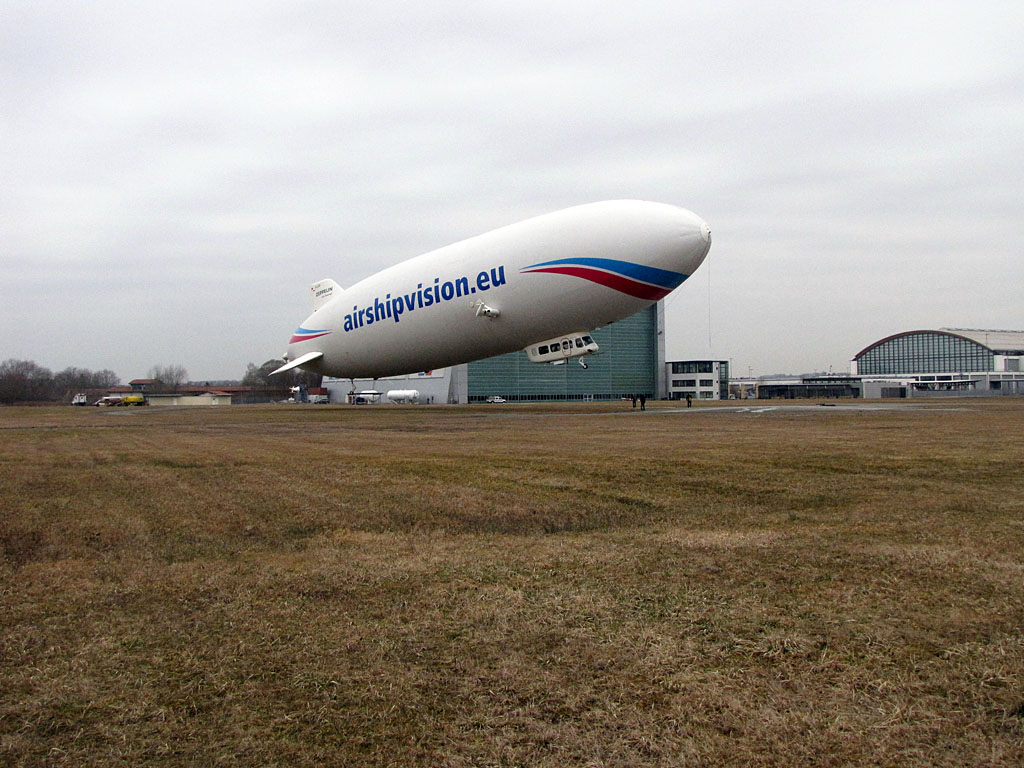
{"x":694,"y":366}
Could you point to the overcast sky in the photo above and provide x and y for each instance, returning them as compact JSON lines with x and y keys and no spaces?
{"x":173,"y":176}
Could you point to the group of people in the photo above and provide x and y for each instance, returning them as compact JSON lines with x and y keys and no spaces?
{"x":643,"y":401}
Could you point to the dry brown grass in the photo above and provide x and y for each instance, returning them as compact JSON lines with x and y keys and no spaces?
{"x":503,"y":585}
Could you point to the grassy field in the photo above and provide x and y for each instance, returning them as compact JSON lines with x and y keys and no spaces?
{"x":513,"y":586}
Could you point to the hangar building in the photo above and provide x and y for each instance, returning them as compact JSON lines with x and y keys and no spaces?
{"x":950,"y":360}
{"x":631,"y":359}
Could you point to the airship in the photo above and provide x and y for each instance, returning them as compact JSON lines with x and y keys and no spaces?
{"x":540,"y":285}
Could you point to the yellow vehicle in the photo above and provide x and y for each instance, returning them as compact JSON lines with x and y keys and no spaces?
{"x":133,"y":400}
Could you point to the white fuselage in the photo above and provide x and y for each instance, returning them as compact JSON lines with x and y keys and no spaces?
{"x":569,"y":271}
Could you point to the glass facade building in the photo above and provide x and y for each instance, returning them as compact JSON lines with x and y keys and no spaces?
{"x":626,"y":363}
{"x":701,"y":379}
{"x":916,"y":352}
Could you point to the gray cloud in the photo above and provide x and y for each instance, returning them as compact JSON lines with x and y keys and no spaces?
{"x":186,"y":171}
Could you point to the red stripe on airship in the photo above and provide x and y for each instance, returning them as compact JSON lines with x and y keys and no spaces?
{"x":307,"y":337}
{"x":613,"y":281}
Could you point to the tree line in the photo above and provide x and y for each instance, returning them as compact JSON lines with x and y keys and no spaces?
{"x":24,"y":381}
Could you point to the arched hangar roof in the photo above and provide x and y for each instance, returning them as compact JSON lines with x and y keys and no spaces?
{"x":913,"y":352}
{"x":908,"y":334}
{"x":996,"y":341}
{"x":1000,"y":342}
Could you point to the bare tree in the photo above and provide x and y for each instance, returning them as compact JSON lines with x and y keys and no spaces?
{"x":254,"y":376}
{"x":68,"y":382}
{"x":259,"y":376}
{"x":105,"y":378}
{"x":24,"y":381}
{"x":171,"y":377}
{"x":71,"y":380}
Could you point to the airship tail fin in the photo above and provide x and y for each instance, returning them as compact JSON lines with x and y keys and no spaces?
{"x":307,"y":358}
{"x":323,"y":291}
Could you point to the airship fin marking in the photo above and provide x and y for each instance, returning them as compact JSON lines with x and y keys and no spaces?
{"x":323,"y":291}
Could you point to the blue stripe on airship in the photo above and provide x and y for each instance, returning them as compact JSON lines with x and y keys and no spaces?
{"x":652,"y":275}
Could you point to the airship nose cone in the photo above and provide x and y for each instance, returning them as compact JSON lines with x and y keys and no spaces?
{"x":698,"y":242}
